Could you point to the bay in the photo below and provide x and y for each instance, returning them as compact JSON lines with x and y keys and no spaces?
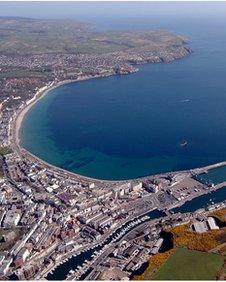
{"x":124,"y":127}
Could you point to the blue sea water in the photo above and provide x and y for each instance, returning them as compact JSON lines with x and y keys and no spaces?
{"x":215,"y":176}
{"x":129,"y":126}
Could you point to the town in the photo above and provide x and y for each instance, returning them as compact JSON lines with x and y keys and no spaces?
{"x":53,"y":219}
{"x":50,"y":215}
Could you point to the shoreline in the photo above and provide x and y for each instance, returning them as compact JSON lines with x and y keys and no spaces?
{"x":41,"y":93}
{"x":17,"y":122}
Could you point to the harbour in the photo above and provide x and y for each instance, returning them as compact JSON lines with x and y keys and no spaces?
{"x":104,"y":180}
{"x":79,"y":266}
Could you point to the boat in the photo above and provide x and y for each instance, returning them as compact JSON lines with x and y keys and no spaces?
{"x":183,"y":143}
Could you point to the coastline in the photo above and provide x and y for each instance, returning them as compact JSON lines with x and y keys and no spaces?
{"x":17,"y":122}
{"x":17,"y":125}
{"x":42,"y":92}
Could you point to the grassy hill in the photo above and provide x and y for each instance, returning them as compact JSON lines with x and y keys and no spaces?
{"x":35,"y":36}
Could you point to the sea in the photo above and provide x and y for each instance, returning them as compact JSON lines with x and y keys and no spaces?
{"x":129,"y":126}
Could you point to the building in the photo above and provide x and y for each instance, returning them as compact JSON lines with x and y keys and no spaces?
{"x":91,"y":185}
{"x":26,"y":272}
{"x":18,"y":262}
{"x":150,"y":186}
{"x":4,"y":267}
{"x":12,"y":218}
{"x":137,"y":187}
{"x":157,"y":246}
{"x":212,"y":223}
{"x":200,"y":227}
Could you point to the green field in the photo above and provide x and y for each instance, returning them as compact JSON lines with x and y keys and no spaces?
{"x":185,"y":264}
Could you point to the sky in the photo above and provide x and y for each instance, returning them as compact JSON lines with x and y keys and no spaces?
{"x":89,"y":10}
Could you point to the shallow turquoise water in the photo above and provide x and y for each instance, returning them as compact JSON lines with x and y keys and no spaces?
{"x":129,"y":126}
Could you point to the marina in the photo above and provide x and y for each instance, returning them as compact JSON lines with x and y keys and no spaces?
{"x":78,"y":266}
{"x":107,"y":163}
{"x":62,"y":270}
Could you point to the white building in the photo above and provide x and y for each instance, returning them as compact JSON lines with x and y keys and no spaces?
{"x":137,"y":187}
{"x":212,"y":223}
{"x":23,"y":253}
{"x":200,"y":227}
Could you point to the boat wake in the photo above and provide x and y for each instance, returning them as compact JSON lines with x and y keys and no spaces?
{"x":185,"y":100}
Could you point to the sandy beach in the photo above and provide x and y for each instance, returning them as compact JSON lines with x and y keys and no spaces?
{"x":39,"y":95}
{"x":17,"y":122}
